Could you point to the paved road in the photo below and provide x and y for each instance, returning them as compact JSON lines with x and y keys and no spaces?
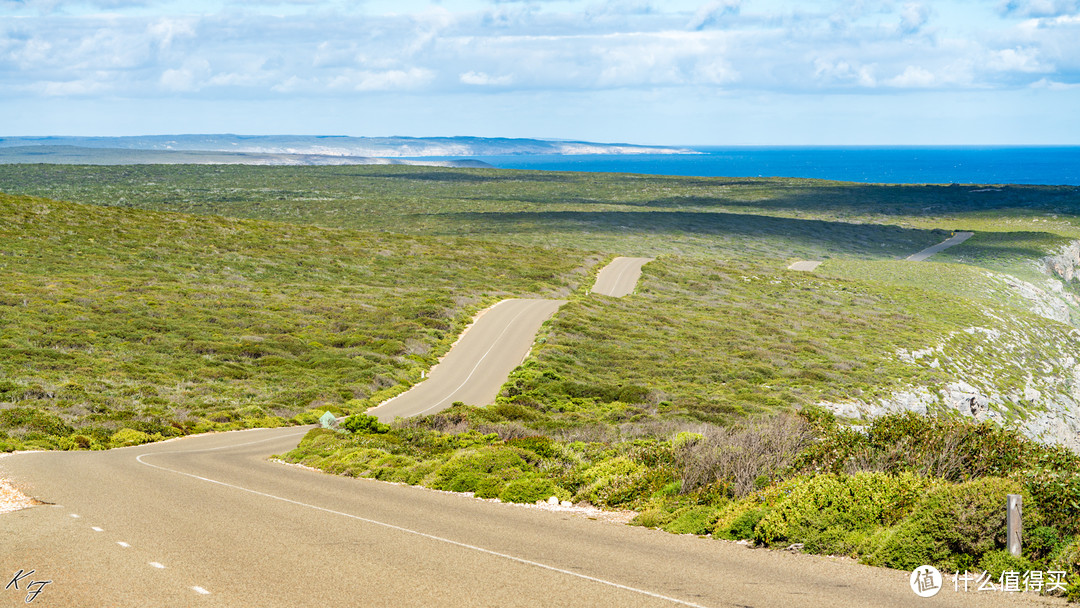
{"x":956,"y":239}
{"x":620,"y":277}
{"x":208,"y":521}
{"x":805,"y":265}
{"x":499,"y":340}
{"x":477,"y":366}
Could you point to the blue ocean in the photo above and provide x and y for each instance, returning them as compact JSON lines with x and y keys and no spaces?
{"x":894,"y":165}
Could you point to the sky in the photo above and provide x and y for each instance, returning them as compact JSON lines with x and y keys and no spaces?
{"x":679,"y":72}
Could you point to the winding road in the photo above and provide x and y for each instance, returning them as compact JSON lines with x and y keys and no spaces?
{"x":498,"y":340}
{"x":210,"y":521}
{"x":952,"y":241}
{"x":477,"y":366}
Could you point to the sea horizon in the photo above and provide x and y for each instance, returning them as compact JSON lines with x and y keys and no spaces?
{"x":1052,"y":165}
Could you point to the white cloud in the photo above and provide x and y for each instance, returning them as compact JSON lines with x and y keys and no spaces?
{"x":189,"y":77}
{"x":483,"y":79}
{"x":387,"y":80}
{"x":164,"y":31}
{"x":780,"y":46}
{"x":713,"y":12}
{"x":1055,"y":86}
{"x":1017,"y":60}
{"x":913,"y":77}
{"x":843,"y":72}
{"x":1040,"y":8}
{"x":913,"y":16}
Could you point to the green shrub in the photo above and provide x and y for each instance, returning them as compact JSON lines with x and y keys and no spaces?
{"x":32,"y":419}
{"x":844,"y":502}
{"x":652,"y":518}
{"x":128,"y":437}
{"x":1057,"y":492}
{"x":364,"y":424}
{"x":996,"y":562}
{"x":743,"y":525}
{"x":466,"y":481}
{"x":951,"y":528}
{"x":691,"y":520}
{"x":489,"y":487}
{"x":487,"y":461}
{"x":605,"y":481}
{"x":541,"y":446}
{"x":1043,"y":543}
{"x":528,"y":490}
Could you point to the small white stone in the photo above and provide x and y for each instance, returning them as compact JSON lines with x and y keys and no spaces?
{"x":566,"y":503}
{"x":554,"y":500}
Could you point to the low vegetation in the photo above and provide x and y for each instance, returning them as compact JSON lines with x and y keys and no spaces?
{"x":279,"y":293}
{"x":625,"y":214}
{"x":166,"y":324}
{"x":904,"y":491}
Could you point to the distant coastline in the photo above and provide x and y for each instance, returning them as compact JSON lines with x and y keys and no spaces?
{"x":994,"y":165}
{"x":77,"y":155}
{"x":343,"y":146}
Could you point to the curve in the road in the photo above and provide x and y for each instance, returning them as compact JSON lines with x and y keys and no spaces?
{"x":477,"y":366}
{"x":620,"y":277}
{"x":208,"y":521}
{"x":499,"y":339}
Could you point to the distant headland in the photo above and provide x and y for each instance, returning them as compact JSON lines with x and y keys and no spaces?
{"x":295,"y":149}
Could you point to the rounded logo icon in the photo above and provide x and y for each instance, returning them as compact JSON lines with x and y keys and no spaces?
{"x":925,"y":581}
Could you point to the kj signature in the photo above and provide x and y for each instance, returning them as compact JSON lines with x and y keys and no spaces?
{"x":33,"y":588}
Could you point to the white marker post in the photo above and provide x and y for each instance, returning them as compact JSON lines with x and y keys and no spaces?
{"x":1014,"y":523}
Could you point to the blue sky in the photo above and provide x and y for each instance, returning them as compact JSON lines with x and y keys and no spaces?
{"x":675,"y":72}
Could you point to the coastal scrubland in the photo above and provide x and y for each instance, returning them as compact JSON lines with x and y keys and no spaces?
{"x":167,"y":323}
{"x":165,"y":300}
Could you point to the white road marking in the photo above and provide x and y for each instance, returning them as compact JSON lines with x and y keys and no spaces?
{"x":96,"y":529}
{"x":75,"y":515}
{"x":158,"y":565}
{"x":440,"y":539}
{"x":122,"y":544}
{"x":200,"y":590}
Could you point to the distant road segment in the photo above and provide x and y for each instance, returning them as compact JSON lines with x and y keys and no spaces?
{"x":477,"y":366}
{"x":956,"y":239}
{"x":620,"y":277}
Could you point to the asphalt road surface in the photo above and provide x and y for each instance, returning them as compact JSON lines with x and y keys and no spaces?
{"x":620,"y":277}
{"x":209,"y":521}
{"x":956,"y":239}
{"x":499,"y":340}
{"x":477,"y":366}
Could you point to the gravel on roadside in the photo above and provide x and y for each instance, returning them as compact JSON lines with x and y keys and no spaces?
{"x":11,"y":499}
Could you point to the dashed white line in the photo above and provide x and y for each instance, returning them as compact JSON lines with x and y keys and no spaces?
{"x":158,"y":565}
{"x":122,"y":544}
{"x":433,"y":537}
{"x":96,"y":529}
{"x":75,"y":515}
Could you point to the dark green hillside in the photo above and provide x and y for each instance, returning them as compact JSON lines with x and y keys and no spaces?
{"x":167,"y":323}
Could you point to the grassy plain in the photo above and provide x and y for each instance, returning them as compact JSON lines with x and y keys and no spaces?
{"x":168,"y":323}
